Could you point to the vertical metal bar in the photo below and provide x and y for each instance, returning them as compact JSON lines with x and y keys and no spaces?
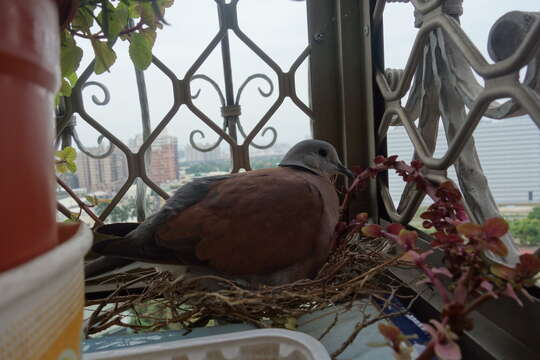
{"x":140,"y":197}
{"x":324,"y":95}
{"x":377,"y":48}
{"x":356,"y":79}
{"x":230,"y":121}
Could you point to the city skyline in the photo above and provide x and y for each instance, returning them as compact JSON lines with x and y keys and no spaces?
{"x":109,"y":173}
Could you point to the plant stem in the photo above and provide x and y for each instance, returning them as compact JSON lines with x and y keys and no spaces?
{"x":79,"y":202}
{"x":139,"y":26}
{"x":477,"y":302}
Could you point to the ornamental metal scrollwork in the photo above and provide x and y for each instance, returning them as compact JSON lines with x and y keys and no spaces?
{"x":264,"y":94}
{"x":70,"y":130}
{"x":106,"y":99}
{"x":95,"y":99}
{"x":200,"y":132}
{"x":233,"y":112}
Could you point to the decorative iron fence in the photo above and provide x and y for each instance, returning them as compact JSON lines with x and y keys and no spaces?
{"x":348,"y":107}
{"x":231,"y":131}
{"x":439,"y":76}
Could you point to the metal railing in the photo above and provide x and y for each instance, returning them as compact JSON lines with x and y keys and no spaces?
{"x":344,"y":54}
{"x":231,"y":131}
{"x":353,"y":102}
{"x":439,"y":76}
{"x":350,"y":110}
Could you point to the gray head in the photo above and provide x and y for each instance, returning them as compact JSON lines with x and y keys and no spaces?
{"x":316,"y":156}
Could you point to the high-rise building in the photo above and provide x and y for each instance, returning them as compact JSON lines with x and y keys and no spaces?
{"x":509,"y":152}
{"x":193,"y":154}
{"x":163,"y":166}
{"x":107,"y":174}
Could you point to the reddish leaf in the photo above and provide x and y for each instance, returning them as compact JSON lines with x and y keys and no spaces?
{"x":391,"y":160}
{"x":444,"y":340}
{"x":486,"y":285}
{"x":379,"y":159}
{"x":372,"y":230}
{"x":503,"y":272}
{"x":495,"y":227}
{"x":417,"y":164}
{"x":497,"y":246}
{"x":407,"y":239}
{"x":427,"y":215}
{"x":394,"y":228}
{"x":529,"y":265}
{"x":442,"y":271}
{"x":389,"y":331}
{"x":460,"y":292}
{"x":427,"y":224}
{"x":448,"y":350}
{"x":418,"y":258}
{"x":469,"y":229}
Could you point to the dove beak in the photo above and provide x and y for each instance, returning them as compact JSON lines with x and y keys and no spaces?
{"x":343,"y":170}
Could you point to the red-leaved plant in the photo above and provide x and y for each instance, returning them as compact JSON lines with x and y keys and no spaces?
{"x":471,"y":277}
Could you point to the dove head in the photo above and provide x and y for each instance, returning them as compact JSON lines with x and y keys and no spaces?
{"x":316,"y":156}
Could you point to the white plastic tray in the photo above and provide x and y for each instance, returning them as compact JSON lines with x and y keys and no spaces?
{"x":265,"y":344}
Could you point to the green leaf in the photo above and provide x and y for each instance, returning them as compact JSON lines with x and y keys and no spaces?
{"x":134,"y":10}
{"x":118,"y":20}
{"x":71,"y":166}
{"x":147,"y":14}
{"x":70,"y":57}
{"x":150,"y":35}
{"x":66,"y":38}
{"x":72,"y":78}
{"x":140,"y":51}
{"x":61,"y":168}
{"x":92,"y":199}
{"x":83,"y":20}
{"x":70,"y":154}
{"x":105,"y":56}
{"x":65,"y":89}
{"x":165,"y":3}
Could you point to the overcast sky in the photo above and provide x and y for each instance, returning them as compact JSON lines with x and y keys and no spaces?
{"x":279,"y":28}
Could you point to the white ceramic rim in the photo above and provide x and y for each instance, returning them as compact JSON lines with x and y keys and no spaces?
{"x":294,"y":339}
{"x":26,"y":278}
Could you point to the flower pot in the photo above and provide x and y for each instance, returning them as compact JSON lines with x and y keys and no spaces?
{"x":41,"y":302}
{"x":29,"y":78}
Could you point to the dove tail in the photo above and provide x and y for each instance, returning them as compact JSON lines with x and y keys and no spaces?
{"x":104,"y":264}
{"x":135,"y":249}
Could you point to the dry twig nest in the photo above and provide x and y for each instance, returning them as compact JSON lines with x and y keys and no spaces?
{"x":357,"y":269}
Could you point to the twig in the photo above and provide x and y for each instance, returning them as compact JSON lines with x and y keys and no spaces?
{"x":325,"y":332}
{"x":79,"y":202}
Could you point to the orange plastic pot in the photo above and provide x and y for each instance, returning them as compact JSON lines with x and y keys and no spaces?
{"x":29,"y":78}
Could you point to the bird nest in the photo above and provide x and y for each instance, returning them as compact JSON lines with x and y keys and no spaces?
{"x":355,"y":270}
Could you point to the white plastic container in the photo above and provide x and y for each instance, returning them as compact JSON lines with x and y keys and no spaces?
{"x":41,"y":302}
{"x":264,"y":344}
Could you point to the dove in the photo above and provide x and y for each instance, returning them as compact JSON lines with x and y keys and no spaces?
{"x":265,"y":227}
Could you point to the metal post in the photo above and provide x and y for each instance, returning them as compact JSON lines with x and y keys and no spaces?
{"x":230,"y":120}
{"x":356,"y":86}
{"x":324,"y":92}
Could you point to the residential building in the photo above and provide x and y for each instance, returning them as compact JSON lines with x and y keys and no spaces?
{"x":193,"y":154}
{"x":107,"y":174}
{"x":509,"y":151}
{"x":163,"y":163}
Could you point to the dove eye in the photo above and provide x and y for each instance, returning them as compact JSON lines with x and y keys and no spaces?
{"x":323,"y":152}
